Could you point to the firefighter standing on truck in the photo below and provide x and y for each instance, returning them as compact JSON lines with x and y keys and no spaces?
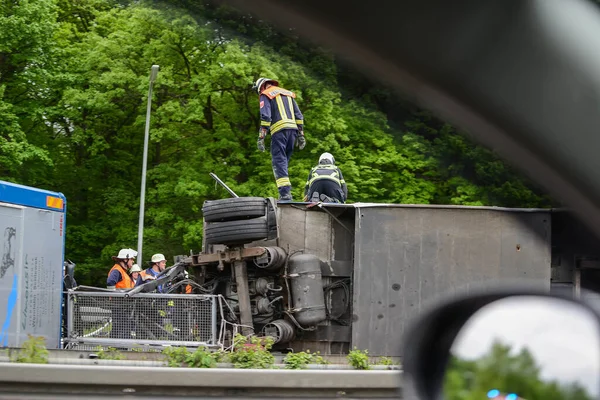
{"x":279,"y":115}
{"x":325,"y":182}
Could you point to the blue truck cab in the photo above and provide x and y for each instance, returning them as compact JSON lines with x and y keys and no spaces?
{"x":32,"y":243}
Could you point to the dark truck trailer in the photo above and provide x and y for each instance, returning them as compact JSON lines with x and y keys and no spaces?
{"x":401,"y":258}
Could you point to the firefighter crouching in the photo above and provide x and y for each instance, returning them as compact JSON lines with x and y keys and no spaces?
{"x":280,"y":115}
{"x":325,"y":182}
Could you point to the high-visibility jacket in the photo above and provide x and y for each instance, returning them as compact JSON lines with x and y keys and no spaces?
{"x":279,"y":110}
{"x":150,"y":274}
{"x":126,"y":282}
{"x":329,"y":172}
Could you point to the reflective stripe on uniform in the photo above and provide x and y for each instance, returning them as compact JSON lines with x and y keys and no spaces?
{"x":296,"y":121}
{"x":329,"y":177}
{"x":285,"y":181}
{"x":316,"y":176}
{"x":265,"y":123}
{"x":283,"y":124}
{"x":286,"y":121}
{"x":289,"y":99}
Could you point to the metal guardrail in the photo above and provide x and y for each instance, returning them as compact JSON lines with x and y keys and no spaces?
{"x":101,"y":319}
{"x":61,"y":380}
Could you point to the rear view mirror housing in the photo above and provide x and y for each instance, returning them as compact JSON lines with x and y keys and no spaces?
{"x":430,"y":346}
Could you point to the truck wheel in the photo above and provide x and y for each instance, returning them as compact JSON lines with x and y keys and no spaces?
{"x":236,"y":232}
{"x":233,"y":209}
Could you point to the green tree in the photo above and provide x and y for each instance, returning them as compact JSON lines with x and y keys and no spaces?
{"x":73,"y":87}
{"x":507,"y":372}
{"x":26,"y":58}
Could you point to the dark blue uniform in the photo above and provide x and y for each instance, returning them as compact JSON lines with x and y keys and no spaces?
{"x":326,"y":183}
{"x":281,"y":115}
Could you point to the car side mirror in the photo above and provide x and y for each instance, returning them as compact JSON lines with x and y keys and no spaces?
{"x":511,"y":344}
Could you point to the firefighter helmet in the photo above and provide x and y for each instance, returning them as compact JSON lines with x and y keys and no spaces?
{"x":157,"y":258}
{"x":135,"y":268}
{"x":126,"y":253}
{"x":260,"y":83}
{"x":326,"y":158}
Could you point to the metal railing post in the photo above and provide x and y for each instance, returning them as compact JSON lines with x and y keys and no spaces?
{"x":153,"y":74}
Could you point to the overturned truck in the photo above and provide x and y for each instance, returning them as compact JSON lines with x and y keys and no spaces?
{"x":329,"y":277}
{"x":323,"y":277}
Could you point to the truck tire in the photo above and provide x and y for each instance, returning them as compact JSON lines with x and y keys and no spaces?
{"x":236,"y":232}
{"x":239,"y":208}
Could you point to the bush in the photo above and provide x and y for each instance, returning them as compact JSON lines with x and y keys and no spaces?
{"x":176,"y":356}
{"x":33,"y":351}
{"x":358,"y":359}
{"x":253,"y":355}
{"x":385,"y":361}
{"x":302,"y":359}
{"x":181,"y":357}
{"x":221,"y":356}
{"x":201,"y":358}
{"x":110,"y":354}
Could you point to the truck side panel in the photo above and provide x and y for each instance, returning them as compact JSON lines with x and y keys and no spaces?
{"x":11,"y":229}
{"x":407,"y":258}
{"x":41,"y":284}
{"x":30,"y":274}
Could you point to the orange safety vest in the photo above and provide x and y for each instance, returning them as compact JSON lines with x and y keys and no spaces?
{"x":146,"y":275}
{"x":275,"y":91}
{"x":126,"y":282}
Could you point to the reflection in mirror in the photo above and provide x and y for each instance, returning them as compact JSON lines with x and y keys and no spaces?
{"x":526,"y":347}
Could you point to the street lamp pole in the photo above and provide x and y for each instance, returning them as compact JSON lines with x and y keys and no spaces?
{"x":153,"y":74}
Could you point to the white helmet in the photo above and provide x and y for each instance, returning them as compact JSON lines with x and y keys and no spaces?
{"x":326,"y":158}
{"x":158,"y":258}
{"x":261,"y":81}
{"x":135,"y":268}
{"x":126,"y":253}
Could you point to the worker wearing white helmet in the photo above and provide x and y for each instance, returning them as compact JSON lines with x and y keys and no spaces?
{"x":118,"y":276}
{"x":135,"y":273}
{"x":157,"y":263}
{"x":325,"y":182}
{"x":279,"y":115}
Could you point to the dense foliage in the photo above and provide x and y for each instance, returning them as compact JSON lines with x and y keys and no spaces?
{"x":73,"y":91}
{"x":501,"y":369}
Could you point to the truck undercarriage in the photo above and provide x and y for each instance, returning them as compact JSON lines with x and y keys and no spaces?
{"x":253,"y":290}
